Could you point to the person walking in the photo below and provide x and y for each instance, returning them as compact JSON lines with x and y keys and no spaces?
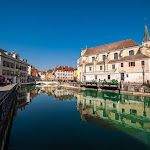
{"x":7,"y":81}
{"x":11,"y":81}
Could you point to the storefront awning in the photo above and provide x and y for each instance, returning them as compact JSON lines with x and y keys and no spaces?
{"x":2,"y":76}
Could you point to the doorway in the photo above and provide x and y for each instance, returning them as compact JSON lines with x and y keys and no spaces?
{"x":122,"y":76}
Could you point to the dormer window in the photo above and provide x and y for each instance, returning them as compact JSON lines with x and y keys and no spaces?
{"x":104,"y":57}
{"x":115,"y":55}
{"x":131,"y":52}
{"x":93,"y":58}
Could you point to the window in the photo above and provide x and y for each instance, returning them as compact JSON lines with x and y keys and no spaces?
{"x":4,"y":63}
{"x":101,"y":67}
{"x":131,"y":52}
{"x":116,"y":116}
{"x":12,"y":65}
{"x":101,"y":104}
{"x":113,"y":66}
{"x":133,"y":111}
{"x":127,"y":75}
{"x":93,"y":58}
{"x":121,"y":64}
{"x":8,"y":72}
{"x":90,"y":102}
{"x":95,"y":77}
{"x":7,"y":64}
{"x":114,"y":105}
{"x":104,"y":57}
{"x":131,"y":64}
{"x":104,"y":114}
{"x":123,"y":110}
{"x":144,"y":113}
{"x":3,"y":72}
{"x":90,"y":68}
{"x":115,"y":55}
{"x":108,"y":76}
{"x":142,"y":63}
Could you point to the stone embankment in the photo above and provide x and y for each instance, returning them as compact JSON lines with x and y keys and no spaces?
{"x":135,"y":89}
{"x":126,"y":88}
{"x":7,"y":105}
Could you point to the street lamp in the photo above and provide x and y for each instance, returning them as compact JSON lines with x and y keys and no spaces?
{"x":143,"y":73}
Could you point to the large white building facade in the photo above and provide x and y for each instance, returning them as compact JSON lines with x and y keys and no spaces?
{"x":12,"y":67}
{"x":124,"y":60}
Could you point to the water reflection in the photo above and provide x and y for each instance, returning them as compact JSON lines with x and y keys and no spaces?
{"x":126,"y":113}
{"x":26,"y":94}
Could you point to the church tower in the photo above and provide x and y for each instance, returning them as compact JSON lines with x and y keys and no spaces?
{"x":146,"y":40}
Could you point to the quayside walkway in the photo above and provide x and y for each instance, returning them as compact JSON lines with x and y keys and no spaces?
{"x":5,"y":89}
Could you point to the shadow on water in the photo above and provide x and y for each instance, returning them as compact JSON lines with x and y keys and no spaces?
{"x":59,"y":118}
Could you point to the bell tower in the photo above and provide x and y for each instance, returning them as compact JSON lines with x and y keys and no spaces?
{"x":146,"y":40}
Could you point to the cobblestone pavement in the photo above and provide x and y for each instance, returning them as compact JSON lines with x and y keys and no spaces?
{"x":5,"y":89}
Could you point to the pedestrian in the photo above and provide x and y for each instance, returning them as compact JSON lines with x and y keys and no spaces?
{"x":11,"y":81}
{"x":7,"y":81}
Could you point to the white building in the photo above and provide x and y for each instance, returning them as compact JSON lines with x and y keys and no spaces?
{"x":42,"y":75}
{"x":64,"y":73}
{"x":123,"y":60}
{"x":12,"y":67}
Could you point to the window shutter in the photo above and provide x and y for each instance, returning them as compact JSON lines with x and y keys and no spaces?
{"x":142,"y":63}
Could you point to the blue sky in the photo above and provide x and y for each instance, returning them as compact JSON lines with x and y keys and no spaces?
{"x":52,"y":32}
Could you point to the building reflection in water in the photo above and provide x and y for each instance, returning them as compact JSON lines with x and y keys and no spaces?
{"x":127,"y":113}
{"x":26,"y":94}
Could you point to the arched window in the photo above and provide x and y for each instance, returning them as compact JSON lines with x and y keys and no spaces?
{"x":115,"y":55}
{"x":131,"y":52}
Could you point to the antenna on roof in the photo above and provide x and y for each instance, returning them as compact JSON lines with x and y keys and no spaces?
{"x":86,"y":46}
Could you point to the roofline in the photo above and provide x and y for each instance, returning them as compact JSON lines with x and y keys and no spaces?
{"x":117,"y":61}
{"x":112,"y":50}
{"x":111,"y":43}
{"x":12,"y":58}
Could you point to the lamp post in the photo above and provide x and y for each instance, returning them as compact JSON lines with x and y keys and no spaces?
{"x":143,"y":73}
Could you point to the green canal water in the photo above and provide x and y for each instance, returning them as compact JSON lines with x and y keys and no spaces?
{"x":64,"y":119}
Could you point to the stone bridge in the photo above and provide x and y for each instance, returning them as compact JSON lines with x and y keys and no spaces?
{"x":46,"y":82}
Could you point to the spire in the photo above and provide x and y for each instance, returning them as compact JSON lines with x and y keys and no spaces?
{"x":146,"y":34}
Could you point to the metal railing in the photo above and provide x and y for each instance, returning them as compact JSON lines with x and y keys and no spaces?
{"x":7,"y":103}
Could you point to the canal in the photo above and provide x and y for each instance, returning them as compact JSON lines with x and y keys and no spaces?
{"x":55,"y":118}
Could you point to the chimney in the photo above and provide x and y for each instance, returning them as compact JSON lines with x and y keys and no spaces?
{"x":12,"y":53}
{"x":25,"y":60}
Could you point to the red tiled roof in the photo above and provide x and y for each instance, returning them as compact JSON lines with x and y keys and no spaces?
{"x":65,"y":68}
{"x":100,"y":62}
{"x":112,"y":61}
{"x":140,"y":56}
{"x":89,"y":64}
{"x":49,"y":71}
{"x":111,"y":46}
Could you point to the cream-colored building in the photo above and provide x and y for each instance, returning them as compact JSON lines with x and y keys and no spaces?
{"x":12,"y":67}
{"x":51,"y":75}
{"x":123,"y":60}
{"x":121,"y":111}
